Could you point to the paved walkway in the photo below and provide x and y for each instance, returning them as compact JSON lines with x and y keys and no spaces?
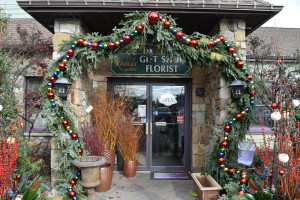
{"x":141,"y":187}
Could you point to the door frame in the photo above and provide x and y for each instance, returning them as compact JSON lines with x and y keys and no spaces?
{"x":188,"y":120}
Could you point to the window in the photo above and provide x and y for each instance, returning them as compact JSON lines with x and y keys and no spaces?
{"x":33,"y":104}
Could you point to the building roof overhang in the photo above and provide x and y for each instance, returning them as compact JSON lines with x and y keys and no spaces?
{"x":102,"y":16}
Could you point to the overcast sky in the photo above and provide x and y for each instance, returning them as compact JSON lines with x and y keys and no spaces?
{"x":288,"y":17}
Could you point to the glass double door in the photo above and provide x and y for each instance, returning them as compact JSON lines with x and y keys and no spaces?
{"x":161,"y":109}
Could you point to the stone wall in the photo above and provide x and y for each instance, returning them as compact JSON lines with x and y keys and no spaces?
{"x":39,"y":143}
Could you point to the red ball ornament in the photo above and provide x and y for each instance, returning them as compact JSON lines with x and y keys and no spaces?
{"x":243,"y":181}
{"x":126,"y":38}
{"x":167,"y":24}
{"x":222,"y":38}
{"x":72,"y":182}
{"x":241,"y":192}
{"x":70,"y":52}
{"x":281,"y":172}
{"x":231,"y":171}
{"x":249,"y":77}
{"x":111,"y":45}
{"x":238,"y":116}
{"x":139,"y":28}
{"x":80,"y":41}
{"x":227,"y":128}
{"x":65,"y":123}
{"x":74,"y":136}
{"x":224,"y":144}
{"x":52,"y":79}
{"x":221,"y":160}
{"x":94,"y":45}
{"x":62,"y":66}
{"x":231,"y":50}
{"x":252,"y":94}
{"x":279,"y":61}
{"x":274,"y":105}
{"x":271,"y":173}
{"x":18,"y":176}
{"x":210,"y":43}
{"x":179,"y":35}
{"x":194,"y":43}
{"x":78,"y":169}
{"x":72,"y":194}
{"x":153,"y":17}
{"x":240,"y":64}
{"x":50,"y":95}
{"x":80,"y":152}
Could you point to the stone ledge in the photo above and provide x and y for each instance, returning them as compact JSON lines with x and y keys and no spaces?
{"x":38,"y":134}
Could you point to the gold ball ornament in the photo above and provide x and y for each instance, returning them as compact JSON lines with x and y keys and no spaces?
{"x":188,"y":40}
{"x":68,"y":128}
{"x":244,"y":176}
{"x":218,"y":40}
{"x":252,"y":86}
{"x":85,"y":43}
{"x":163,"y":20}
{"x":117,"y":44}
{"x":237,"y":59}
{"x":225,"y":138}
{"x":50,"y":89}
{"x":225,"y":169}
{"x":143,"y":24}
{"x":65,"y":61}
{"x":243,"y":112}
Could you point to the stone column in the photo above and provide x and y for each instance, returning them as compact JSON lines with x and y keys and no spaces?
{"x":77,"y":98}
{"x":208,"y":111}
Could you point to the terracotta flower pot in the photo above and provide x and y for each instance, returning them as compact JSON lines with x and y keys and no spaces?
{"x":130,"y":168}
{"x":206,"y":187}
{"x":106,"y":171}
{"x":105,"y":176}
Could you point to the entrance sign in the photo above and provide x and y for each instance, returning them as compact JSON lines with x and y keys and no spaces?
{"x":179,"y":118}
{"x":168,"y":99}
{"x":141,"y":64}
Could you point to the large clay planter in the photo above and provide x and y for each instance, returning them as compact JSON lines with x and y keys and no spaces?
{"x":105,"y":176}
{"x":106,"y":173}
{"x":206,"y":187}
{"x":90,"y":173}
{"x":130,"y":168}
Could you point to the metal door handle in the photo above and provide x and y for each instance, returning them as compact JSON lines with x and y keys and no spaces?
{"x":147,"y":128}
{"x":150,"y":128}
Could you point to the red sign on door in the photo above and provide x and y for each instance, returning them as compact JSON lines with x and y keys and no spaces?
{"x":179,"y":118}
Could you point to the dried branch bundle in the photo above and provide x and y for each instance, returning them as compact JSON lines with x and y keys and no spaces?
{"x":92,"y":140}
{"x":129,"y":138}
{"x":107,"y":115}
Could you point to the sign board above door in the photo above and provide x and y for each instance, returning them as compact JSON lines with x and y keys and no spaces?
{"x":141,"y":64}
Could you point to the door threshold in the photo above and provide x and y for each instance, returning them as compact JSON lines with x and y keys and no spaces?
{"x":169,"y":176}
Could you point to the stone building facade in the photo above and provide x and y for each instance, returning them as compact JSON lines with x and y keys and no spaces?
{"x":233,"y":19}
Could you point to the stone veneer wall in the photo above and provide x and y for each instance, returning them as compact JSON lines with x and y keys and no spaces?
{"x":207,"y":111}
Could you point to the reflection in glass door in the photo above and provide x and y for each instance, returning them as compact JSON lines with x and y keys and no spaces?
{"x":161,"y":109}
{"x":137,"y":96}
{"x":168,"y":113}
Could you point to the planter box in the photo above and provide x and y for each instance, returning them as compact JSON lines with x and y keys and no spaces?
{"x":206,"y":187}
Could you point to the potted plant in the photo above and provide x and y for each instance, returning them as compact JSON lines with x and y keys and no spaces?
{"x":93,"y":145}
{"x":106,"y":115}
{"x":206,"y":187}
{"x":128,"y":144}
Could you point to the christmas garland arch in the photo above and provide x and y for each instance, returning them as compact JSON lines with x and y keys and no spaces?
{"x":196,"y":49}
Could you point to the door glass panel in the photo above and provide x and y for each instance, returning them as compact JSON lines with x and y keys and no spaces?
{"x":137,"y":96}
{"x":168,"y":111}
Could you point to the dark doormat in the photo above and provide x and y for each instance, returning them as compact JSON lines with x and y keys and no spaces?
{"x":169,"y":176}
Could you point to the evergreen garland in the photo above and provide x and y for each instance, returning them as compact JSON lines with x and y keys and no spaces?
{"x":164,"y":39}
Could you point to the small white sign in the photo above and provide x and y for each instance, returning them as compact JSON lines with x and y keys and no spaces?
{"x":142,"y":110}
{"x":89,"y":109}
{"x":168,"y":99}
